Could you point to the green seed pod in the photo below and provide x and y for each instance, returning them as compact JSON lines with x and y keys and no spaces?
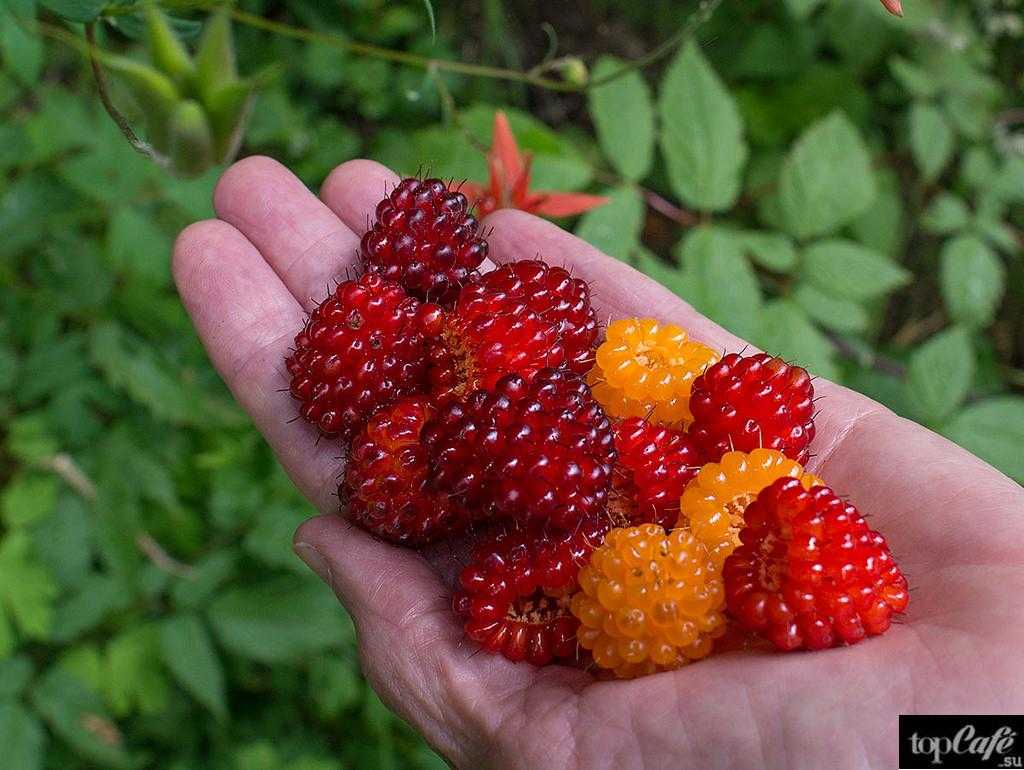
{"x":155,"y":93}
{"x":191,"y":140}
{"x":215,"y":59}
{"x":166,"y":49}
{"x":574,"y":71}
{"x":228,"y":110}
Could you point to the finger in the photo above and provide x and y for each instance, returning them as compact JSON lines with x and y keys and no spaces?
{"x":411,"y":644}
{"x":247,"y":320}
{"x":300,"y":238}
{"x":353,"y":190}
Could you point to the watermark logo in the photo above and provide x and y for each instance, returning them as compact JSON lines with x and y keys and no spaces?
{"x":967,"y":742}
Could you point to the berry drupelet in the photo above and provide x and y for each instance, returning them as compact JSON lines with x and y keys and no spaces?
{"x":361,"y":349}
{"x":809,"y":574}
{"x":425,"y":239}
{"x":753,"y":402}
{"x":540,"y":450}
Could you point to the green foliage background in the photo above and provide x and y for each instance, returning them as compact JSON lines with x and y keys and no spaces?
{"x":839,"y":186}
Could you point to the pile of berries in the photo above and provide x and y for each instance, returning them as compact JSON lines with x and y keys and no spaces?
{"x":630,"y":498}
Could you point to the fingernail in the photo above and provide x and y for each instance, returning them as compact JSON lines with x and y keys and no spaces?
{"x":314,"y":560}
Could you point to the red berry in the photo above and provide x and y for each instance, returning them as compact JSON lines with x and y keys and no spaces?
{"x":514,"y":595}
{"x":809,"y":573}
{"x":654,"y":466}
{"x":386,"y":486}
{"x":750,"y":402}
{"x":425,"y":239}
{"x":519,"y":318}
{"x":360,"y":350}
{"x":541,"y":451}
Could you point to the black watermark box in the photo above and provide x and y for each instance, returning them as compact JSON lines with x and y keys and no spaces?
{"x":961,"y":742}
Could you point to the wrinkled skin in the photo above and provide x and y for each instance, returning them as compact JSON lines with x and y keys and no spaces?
{"x":955,"y":524}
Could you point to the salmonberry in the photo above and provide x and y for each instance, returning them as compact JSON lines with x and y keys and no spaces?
{"x":540,"y":450}
{"x":752,"y":402}
{"x":361,"y":349}
{"x":517,"y":319}
{"x":809,"y":573}
{"x":386,"y":487}
{"x":649,"y":601}
{"x":714,"y":502}
{"x":646,"y":369}
{"x":654,"y":465}
{"x":425,"y":239}
{"x":514,"y":595}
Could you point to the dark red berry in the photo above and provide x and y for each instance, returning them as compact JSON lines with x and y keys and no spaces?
{"x":386,"y":487}
{"x":514,"y":595}
{"x":809,"y":573}
{"x":539,"y":451}
{"x":425,"y":239}
{"x":517,"y":319}
{"x":750,"y":402}
{"x":361,"y":349}
{"x":654,"y":466}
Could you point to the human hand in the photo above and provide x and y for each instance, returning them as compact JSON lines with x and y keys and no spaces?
{"x":954,"y":523}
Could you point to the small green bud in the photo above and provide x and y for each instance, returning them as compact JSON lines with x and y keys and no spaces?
{"x":155,"y":94}
{"x":575,"y":72}
{"x":215,"y":59}
{"x":228,"y":110}
{"x":166,"y":49}
{"x":191,"y":140}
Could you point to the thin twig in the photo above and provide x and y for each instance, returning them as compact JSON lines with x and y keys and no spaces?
{"x":104,"y":91}
{"x":65,"y":466}
{"x":156,"y":554}
{"x":667,"y":208}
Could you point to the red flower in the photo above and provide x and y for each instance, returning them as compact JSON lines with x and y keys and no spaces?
{"x":509,"y":187}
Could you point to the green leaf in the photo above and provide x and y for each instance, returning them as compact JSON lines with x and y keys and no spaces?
{"x":940,"y":374}
{"x":96,"y":597}
{"x":787,"y":331}
{"x":188,"y":651}
{"x":830,"y":311}
{"x":701,"y":133}
{"x":22,"y":49}
{"x":972,"y":279}
{"x":64,"y":540}
{"x":727,"y":290}
{"x":76,"y":714}
{"x":615,"y":227}
{"x":882,"y":226}
{"x":849,"y":270}
{"x":801,"y":9}
{"x":826,"y":179}
{"x":21,"y":737}
{"x":27,"y":590}
{"x":137,"y":246}
{"x":132,"y":677}
{"x":917,"y":81}
{"x":75,"y":10}
{"x":772,"y":251}
{"x":335,"y":684}
{"x":167,"y":50}
{"x":623,"y":117}
{"x":994,"y":430}
{"x":931,"y":139}
{"x":278,"y":621}
{"x":947,"y":213}
{"x":207,"y":575}
{"x":15,"y":674}
{"x":28,"y":498}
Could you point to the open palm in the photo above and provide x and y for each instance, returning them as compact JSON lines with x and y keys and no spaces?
{"x":955,"y":524}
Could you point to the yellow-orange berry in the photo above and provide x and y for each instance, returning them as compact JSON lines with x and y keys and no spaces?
{"x":713,"y":502}
{"x":649,"y":601}
{"x":646,"y":368}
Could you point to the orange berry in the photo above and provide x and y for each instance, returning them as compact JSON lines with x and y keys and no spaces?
{"x":646,"y":368}
{"x":649,"y":601}
{"x":713,"y":502}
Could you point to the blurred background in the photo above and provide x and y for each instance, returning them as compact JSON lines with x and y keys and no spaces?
{"x":842,"y":187}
